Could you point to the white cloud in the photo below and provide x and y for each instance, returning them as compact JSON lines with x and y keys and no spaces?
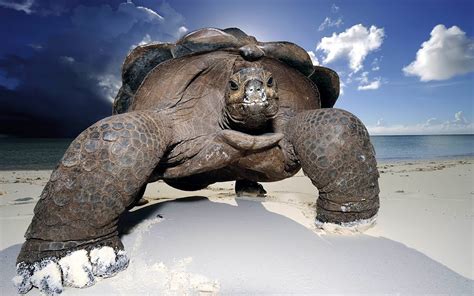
{"x":363,"y":78}
{"x":313,"y":57}
{"x":67,"y":59}
{"x":109,"y":85}
{"x":342,"y":86}
{"x":371,"y":86}
{"x":443,"y":84}
{"x":36,"y":46}
{"x":146,"y":39}
{"x":334,"y":8}
{"x":365,"y":84}
{"x":432,"y":121}
{"x":459,"y":119}
{"x":25,"y":6}
{"x":380,"y":122}
{"x":448,"y":52}
{"x":150,"y":14}
{"x":173,"y":20}
{"x":328,"y":22}
{"x":182,"y":30}
{"x":354,"y":44}
{"x":431,"y":126}
{"x":376,"y":64}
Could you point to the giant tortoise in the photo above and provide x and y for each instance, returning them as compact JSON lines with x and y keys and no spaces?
{"x":215,"y":106}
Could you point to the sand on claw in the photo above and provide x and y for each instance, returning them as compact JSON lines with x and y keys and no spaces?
{"x":106,"y":262}
{"x":22,"y":281}
{"x":73,"y":270}
{"x":47,"y":277}
{"x":354,"y":227}
{"x":77,"y":270}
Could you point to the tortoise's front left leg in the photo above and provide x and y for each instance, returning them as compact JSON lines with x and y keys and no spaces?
{"x":73,"y":235}
{"x":335,"y":152}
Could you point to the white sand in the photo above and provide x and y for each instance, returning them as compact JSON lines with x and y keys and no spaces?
{"x":77,"y":270}
{"x":422,"y":242}
{"x":429,"y":207}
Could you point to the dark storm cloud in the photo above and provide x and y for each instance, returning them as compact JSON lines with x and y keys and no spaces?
{"x":66,"y":81}
{"x":51,"y":7}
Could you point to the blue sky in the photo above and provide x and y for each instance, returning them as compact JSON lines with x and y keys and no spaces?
{"x":407,"y":67}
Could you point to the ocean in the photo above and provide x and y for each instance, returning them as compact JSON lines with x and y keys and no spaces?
{"x":38,"y":154}
{"x":426,"y":147}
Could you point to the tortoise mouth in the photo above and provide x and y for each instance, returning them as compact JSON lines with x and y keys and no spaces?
{"x":252,"y":115}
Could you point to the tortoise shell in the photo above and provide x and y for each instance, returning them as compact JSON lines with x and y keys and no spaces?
{"x":144,"y":58}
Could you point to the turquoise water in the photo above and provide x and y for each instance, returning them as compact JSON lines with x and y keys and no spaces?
{"x":394,"y":148}
{"x":26,"y":154}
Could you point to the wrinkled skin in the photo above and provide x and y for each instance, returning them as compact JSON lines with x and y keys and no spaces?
{"x":217,"y":106}
{"x":251,"y":99}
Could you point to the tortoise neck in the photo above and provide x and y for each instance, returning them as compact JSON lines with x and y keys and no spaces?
{"x":227,"y":122}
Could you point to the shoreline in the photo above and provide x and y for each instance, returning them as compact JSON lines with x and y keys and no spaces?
{"x":422,"y":160}
{"x":379,"y":161}
{"x":43,"y":154}
{"x":426,"y":205}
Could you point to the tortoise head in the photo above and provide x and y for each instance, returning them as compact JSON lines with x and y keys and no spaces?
{"x":251,"y":98}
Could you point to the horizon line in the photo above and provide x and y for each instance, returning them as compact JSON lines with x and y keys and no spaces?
{"x":3,"y":136}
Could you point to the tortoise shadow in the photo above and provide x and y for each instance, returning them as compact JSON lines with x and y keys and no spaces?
{"x":271,"y":253}
{"x":131,"y":219}
{"x":250,"y":250}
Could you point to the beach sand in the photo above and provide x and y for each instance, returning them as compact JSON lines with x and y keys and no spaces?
{"x":209,"y":242}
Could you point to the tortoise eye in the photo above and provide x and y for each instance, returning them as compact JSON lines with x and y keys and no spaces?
{"x":233,"y":85}
{"x":270,"y":82}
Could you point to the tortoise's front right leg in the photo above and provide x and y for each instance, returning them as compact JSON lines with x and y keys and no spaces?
{"x":73,"y":235}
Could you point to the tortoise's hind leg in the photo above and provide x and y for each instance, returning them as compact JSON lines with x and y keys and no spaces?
{"x":247,"y":187}
{"x":73,"y":235}
{"x":335,"y":152}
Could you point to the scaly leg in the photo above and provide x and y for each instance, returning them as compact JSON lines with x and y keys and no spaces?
{"x":335,"y":152}
{"x":75,"y":220}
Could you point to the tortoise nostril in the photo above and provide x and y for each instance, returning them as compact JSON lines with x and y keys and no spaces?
{"x":254,"y":86}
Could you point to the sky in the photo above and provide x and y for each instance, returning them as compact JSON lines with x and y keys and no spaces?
{"x":406,"y":67}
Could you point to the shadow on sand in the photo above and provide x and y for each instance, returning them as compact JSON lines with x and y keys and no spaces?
{"x":249,"y":250}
